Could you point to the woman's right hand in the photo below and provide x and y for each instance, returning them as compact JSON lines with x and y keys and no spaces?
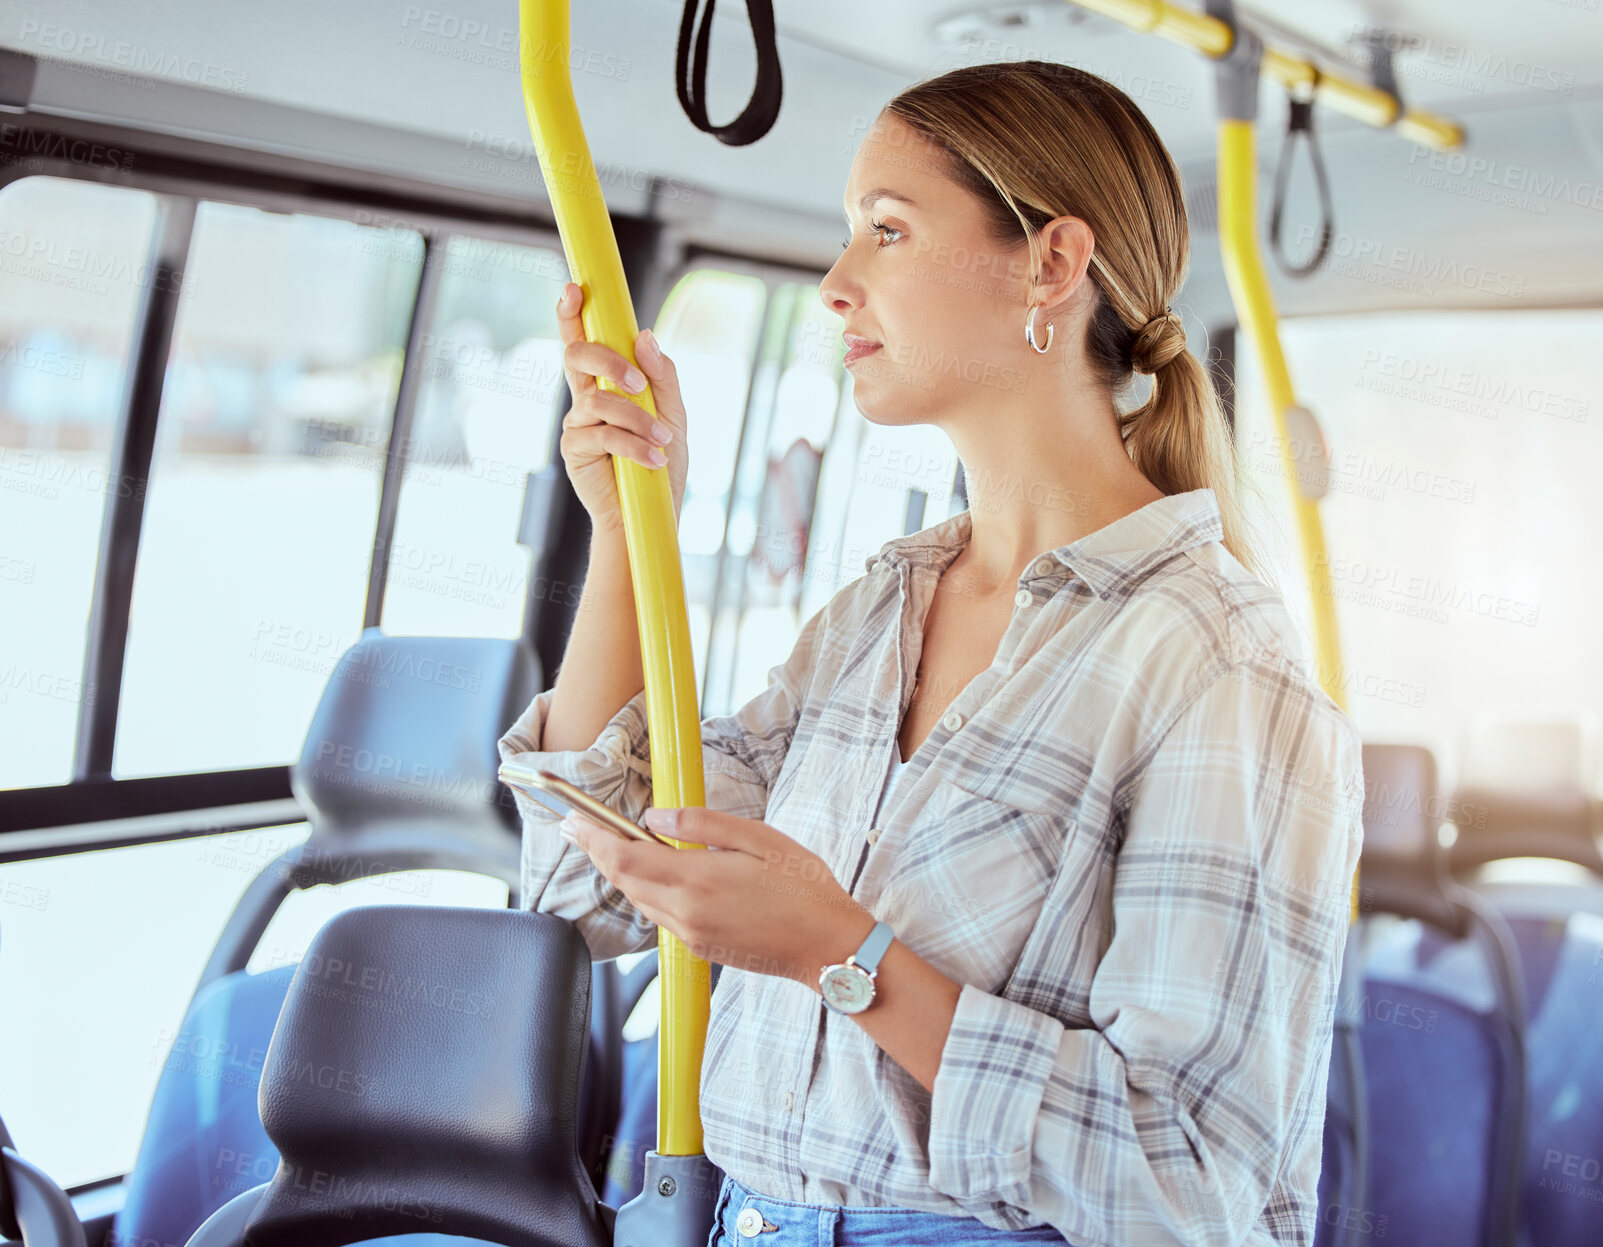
{"x":601,"y":424}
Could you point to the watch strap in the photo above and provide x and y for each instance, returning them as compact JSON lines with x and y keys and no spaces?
{"x":873,"y":948}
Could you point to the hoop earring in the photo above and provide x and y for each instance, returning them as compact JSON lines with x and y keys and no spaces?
{"x":1029,"y":332}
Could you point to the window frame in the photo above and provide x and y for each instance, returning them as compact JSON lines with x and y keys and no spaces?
{"x":94,"y":810}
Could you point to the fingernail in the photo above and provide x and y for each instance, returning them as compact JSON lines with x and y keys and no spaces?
{"x":649,"y":341}
{"x":657,"y":457}
{"x":661,"y":432}
{"x":634,"y":380}
{"x":659,"y":818}
{"x":566,"y":833}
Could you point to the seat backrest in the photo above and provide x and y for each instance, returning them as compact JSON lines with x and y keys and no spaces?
{"x":1437,"y":1078}
{"x":1562,"y":1198}
{"x":1402,"y":869}
{"x":400,"y":759}
{"x":204,"y":1141}
{"x":1528,"y":787}
{"x":455,"y":1039}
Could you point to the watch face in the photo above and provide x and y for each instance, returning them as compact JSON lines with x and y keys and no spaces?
{"x":847,"y":988}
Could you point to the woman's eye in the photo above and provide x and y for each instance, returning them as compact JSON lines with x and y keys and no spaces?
{"x":880,"y":228}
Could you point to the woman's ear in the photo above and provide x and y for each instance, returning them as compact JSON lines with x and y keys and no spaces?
{"x":1066,"y":248}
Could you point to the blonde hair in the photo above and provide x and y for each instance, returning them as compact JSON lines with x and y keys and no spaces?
{"x":1034,"y":140}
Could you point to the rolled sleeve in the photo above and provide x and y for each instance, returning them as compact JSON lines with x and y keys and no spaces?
{"x":1202,"y":1084}
{"x":998,"y":1059}
{"x":741,"y":756}
{"x":559,"y":878}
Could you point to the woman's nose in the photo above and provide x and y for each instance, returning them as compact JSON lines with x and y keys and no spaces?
{"x":834,"y":292}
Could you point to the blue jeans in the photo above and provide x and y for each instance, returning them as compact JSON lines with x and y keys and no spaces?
{"x":826,"y":1225}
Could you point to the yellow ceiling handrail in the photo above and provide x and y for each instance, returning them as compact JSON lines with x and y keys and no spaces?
{"x":1213,"y":38}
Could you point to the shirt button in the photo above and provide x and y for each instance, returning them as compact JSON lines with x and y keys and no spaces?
{"x":952,"y":721}
{"x":749,"y":1222}
{"x":1043,"y":566}
{"x":1022,"y":598}
{"x":873,"y":835}
{"x":790,"y":1101}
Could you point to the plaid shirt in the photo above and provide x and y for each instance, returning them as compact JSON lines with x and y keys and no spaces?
{"x":1131,"y":839}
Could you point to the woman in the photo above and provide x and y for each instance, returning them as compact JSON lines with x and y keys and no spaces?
{"x":1115,"y":868}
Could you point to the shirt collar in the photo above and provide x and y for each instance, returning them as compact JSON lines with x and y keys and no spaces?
{"x":1111,"y":561}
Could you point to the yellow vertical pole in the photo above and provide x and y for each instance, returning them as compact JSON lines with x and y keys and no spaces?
{"x":650,"y":531}
{"x":1255,"y":311}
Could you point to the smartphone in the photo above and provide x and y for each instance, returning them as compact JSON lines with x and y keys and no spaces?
{"x":561,"y":797}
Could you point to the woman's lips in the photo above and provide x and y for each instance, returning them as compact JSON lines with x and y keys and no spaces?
{"x":861,"y":349}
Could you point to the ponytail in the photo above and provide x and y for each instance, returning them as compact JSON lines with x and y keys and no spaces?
{"x":1178,"y":440}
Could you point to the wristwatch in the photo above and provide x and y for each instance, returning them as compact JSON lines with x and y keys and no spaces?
{"x":848,"y":986}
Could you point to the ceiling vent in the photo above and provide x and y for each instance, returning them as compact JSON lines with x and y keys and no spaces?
{"x":972,"y":26}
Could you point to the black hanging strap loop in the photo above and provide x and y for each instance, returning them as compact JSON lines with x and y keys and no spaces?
{"x":1301,"y":121}
{"x":691,"y":80}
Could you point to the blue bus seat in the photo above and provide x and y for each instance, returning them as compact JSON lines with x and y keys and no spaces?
{"x":1562,"y":1197}
{"x":1528,"y":789}
{"x":415,"y":720}
{"x":204,"y":1142}
{"x":1441,"y":1085}
{"x":1425,"y":1110}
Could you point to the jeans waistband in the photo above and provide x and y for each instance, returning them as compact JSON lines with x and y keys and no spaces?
{"x":746,"y":1217}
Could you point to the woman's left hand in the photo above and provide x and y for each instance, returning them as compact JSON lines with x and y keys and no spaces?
{"x":755,"y":899}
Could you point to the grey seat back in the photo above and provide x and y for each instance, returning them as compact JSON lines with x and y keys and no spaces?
{"x":424,"y":1078}
{"x":1528,"y":788}
{"x":398,"y":772}
{"x":1402,"y":869}
{"x":400,"y":757}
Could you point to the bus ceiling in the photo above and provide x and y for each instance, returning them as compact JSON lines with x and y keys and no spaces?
{"x":1521,"y":93}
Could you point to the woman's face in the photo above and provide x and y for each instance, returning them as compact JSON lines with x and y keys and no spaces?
{"x":922,"y":280}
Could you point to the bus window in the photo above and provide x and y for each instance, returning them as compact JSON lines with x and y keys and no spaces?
{"x":491,"y":371}
{"x":72,"y":259}
{"x":710,"y":326}
{"x":1463,"y":448}
{"x":115,"y":941}
{"x":793,"y":421}
{"x":263,"y":496}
